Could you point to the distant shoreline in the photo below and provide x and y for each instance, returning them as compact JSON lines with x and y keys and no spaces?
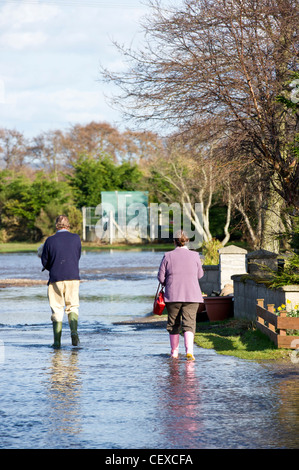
{"x":26,"y":247}
{"x":21,"y":282}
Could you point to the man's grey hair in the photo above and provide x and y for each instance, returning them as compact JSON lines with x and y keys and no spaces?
{"x":62,"y":222}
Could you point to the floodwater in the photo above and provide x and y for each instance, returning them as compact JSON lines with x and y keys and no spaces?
{"x":120,"y":389}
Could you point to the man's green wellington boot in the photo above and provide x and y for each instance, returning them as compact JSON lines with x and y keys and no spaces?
{"x":57,"y":329}
{"x":73,"y":322}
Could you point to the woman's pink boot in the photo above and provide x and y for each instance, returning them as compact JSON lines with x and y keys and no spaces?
{"x":189,"y":341}
{"x":174,"y":344}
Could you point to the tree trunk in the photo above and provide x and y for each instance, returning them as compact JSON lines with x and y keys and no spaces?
{"x":272,"y":222}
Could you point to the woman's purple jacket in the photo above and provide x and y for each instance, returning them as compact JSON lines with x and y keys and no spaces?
{"x":179,"y":272}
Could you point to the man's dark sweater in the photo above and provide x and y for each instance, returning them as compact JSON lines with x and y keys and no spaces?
{"x":61,"y":254}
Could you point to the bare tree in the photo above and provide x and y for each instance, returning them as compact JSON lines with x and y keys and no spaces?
{"x":57,"y":150}
{"x":141,"y":146}
{"x":193,"y":178}
{"x":48,"y":151}
{"x":92,"y":139}
{"x":13,"y":149}
{"x":226,"y":60}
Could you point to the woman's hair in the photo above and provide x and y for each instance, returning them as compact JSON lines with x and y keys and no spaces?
{"x":62,"y":222}
{"x":180,"y":238}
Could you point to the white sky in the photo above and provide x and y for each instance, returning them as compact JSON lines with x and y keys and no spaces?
{"x":50,"y":56}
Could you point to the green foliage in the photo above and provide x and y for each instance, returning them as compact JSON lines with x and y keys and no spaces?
{"x":75,"y":218}
{"x":210,"y":251}
{"x":217,"y":219}
{"x":129,"y":176}
{"x":285,"y":99}
{"x":3,"y":236}
{"x":293,"y":313}
{"x":29,"y":207}
{"x":289,"y":275}
{"x":93,"y":176}
{"x":22,"y":202}
{"x":45,"y":221}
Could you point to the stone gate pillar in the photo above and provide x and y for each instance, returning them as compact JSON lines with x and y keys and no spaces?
{"x":232,"y":260}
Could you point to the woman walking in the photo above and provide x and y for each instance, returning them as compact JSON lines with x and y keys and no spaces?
{"x":179,"y":272}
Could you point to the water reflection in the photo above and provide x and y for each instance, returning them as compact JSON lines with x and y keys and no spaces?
{"x":64,"y":391}
{"x":181,"y":404}
{"x":121,"y":390}
{"x":288,"y":411}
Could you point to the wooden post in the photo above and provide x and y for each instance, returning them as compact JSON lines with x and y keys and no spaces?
{"x":276,"y":326}
{"x":260,"y":303}
{"x":271,"y":309}
{"x":283,"y":313}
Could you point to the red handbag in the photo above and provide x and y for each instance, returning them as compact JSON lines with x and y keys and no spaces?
{"x":159,"y":302}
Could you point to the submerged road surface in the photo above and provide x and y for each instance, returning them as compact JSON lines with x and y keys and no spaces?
{"x":120,"y":389}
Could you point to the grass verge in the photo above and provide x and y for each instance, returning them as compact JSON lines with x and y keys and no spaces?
{"x":18,"y":247}
{"x":23,"y":247}
{"x":127,"y":246}
{"x":238,"y":338}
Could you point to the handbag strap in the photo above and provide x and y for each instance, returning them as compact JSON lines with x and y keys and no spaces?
{"x":158,"y":290}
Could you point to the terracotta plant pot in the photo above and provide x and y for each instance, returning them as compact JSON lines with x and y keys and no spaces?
{"x":219,"y":308}
{"x":201,"y":313}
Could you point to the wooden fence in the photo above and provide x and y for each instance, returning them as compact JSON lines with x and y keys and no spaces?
{"x":275,"y":326}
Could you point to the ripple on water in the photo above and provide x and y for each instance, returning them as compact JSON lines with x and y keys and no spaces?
{"x":120,"y":389}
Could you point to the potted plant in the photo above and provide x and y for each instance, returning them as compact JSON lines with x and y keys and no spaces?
{"x":219,"y":307}
{"x":201,"y":315}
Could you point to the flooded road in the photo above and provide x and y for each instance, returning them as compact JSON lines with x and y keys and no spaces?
{"x":120,"y":389}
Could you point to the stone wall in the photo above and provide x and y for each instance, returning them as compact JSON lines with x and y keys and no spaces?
{"x":234,"y":266}
{"x":210,"y":281}
{"x":247,"y":291}
{"x":232,"y":260}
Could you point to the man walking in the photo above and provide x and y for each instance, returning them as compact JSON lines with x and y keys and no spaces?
{"x":60,"y":256}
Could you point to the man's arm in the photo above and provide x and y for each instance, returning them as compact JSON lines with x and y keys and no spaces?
{"x":45,"y":256}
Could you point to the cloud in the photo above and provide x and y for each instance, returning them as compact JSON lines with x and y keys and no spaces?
{"x":22,"y":40}
{"x":23,"y":14}
{"x":33,"y":112}
{"x":50,"y":61}
{"x":2,"y":91}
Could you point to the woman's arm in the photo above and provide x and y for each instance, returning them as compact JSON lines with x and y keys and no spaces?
{"x":162,"y":271}
{"x":200,"y":270}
